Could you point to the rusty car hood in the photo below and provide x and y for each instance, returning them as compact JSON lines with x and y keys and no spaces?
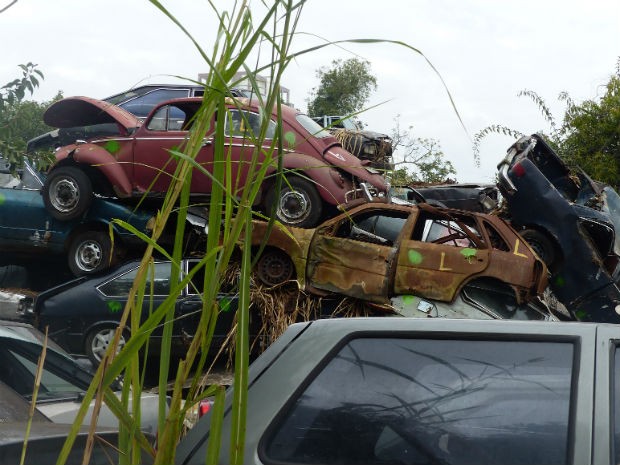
{"x":85,"y":111}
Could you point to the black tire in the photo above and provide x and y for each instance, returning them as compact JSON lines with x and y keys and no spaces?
{"x":274,"y":267}
{"x":299,"y":203}
{"x":542,"y":245}
{"x":97,"y":342}
{"x":90,"y":252}
{"x":67,"y":193}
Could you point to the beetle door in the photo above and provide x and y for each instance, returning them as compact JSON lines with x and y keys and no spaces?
{"x":167,"y":129}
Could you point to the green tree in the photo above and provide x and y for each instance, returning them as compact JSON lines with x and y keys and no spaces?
{"x":20,"y":120}
{"x":421,"y":159}
{"x":343,"y":89}
{"x":588,"y":135}
{"x":591,"y":134}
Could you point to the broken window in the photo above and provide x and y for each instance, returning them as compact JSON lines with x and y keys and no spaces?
{"x":458,"y":232}
{"x":497,"y":241}
{"x":378,"y":228}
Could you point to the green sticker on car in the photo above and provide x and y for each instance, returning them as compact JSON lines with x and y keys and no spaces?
{"x":115,"y":306}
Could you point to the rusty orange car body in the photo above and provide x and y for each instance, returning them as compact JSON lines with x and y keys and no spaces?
{"x":380,"y":250}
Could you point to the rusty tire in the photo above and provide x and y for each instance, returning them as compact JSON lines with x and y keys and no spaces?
{"x":274,"y":267}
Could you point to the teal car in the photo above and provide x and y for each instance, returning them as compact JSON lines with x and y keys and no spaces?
{"x":30,"y":236}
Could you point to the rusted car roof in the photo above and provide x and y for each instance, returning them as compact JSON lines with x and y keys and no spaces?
{"x":376,"y":251}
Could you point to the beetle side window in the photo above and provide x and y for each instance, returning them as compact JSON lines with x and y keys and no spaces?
{"x":423,"y":401}
{"x":168,"y":118}
{"x":246,"y":124}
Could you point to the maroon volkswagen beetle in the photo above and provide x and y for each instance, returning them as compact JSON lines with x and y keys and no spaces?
{"x":117,"y":155}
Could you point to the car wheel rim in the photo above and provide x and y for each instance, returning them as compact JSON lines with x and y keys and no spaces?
{"x":274,"y":269}
{"x":64,"y":194}
{"x":88,"y":256}
{"x":294,"y":207}
{"x":102,"y":341}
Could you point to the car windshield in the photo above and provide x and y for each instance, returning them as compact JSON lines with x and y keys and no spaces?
{"x":312,"y":126}
{"x":61,"y":378}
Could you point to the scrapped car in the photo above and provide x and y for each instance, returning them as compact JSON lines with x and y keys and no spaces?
{"x":570,"y":221}
{"x":426,"y":391}
{"x":374,"y":147}
{"x":30,"y":235}
{"x":473,"y":197}
{"x":379,"y":250}
{"x":482,"y":299}
{"x":63,"y":380}
{"x":137,"y":159}
{"x":137,"y":100}
{"x":44,"y":439}
{"x":83,"y":315}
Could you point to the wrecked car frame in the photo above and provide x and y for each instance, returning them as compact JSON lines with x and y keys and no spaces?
{"x":378,"y":250}
{"x":571,"y":221}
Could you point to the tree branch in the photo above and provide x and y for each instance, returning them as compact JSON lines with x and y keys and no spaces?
{"x":8,"y":6}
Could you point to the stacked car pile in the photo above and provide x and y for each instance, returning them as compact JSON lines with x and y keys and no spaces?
{"x":423,"y":260}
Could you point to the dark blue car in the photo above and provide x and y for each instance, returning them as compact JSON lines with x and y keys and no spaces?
{"x":82,"y":315}
{"x":30,"y":236}
{"x":571,"y":222}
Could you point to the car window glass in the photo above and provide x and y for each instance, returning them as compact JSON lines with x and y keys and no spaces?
{"x":312,"y":126}
{"x":51,"y":385}
{"x":168,"y":118}
{"x":141,"y":106}
{"x":121,"y":285}
{"x":246,"y":124}
{"x":19,"y":368}
{"x":423,"y":401}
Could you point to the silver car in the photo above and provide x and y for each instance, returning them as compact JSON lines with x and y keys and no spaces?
{"x":63,"y":380}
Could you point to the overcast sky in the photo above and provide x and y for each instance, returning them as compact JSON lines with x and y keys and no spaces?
{"x":486,"y":51}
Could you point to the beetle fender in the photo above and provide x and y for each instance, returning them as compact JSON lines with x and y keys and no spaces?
{"x":330,"y":184}
{"x":100,"y":159}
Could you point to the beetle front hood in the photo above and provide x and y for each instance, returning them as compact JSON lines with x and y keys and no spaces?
{"x":86,"y":111}
{"x":339,"y":157}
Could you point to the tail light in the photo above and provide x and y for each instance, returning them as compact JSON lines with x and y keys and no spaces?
{"x":204,"y":406}
{"x":518,"y":170}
